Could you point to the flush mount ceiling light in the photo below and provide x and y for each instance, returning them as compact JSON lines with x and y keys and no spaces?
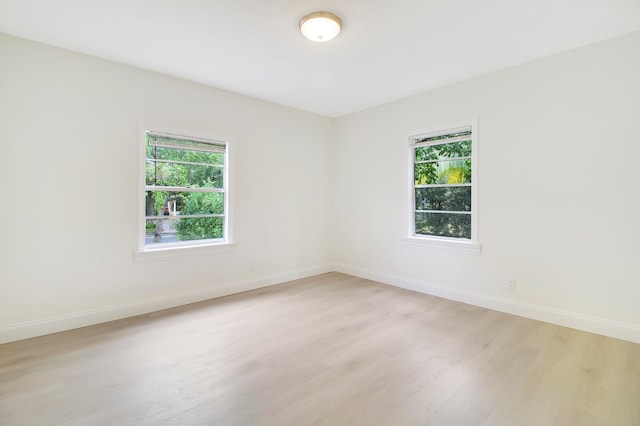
{"x":320,"y":26}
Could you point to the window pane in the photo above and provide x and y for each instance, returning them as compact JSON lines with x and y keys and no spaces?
{"x":446,"y":150}
{"x":199,"y":228}
{"x":188,"y":175}
{"x":176,"y":229}
{"x":160,"y":203}
{"x":155,"y":202}
{"x":160,"y":231}
{"x":184,"y":155}
{"x":443,"y":172}
{"x":444,"y":225}
{"x":455,"y":198}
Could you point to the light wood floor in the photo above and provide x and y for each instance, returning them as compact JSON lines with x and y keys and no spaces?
{"x":327,"y":350}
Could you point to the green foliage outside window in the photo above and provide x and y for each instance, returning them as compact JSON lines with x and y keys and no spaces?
{"x":201,"y":227}
{"x":443,"y":174}
{"x":185,"y":168}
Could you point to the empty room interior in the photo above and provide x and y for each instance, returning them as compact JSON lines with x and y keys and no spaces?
{"x":220,"y":213}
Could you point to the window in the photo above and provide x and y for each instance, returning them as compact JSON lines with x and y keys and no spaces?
{"x":185,"y":191}
{"x":443,"y":184}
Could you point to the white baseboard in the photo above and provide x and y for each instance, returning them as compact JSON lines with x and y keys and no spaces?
{"x":615,"y":329}
{"x":56,"y":324}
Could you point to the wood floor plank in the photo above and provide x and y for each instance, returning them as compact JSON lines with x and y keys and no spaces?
{"x":326,"y":350}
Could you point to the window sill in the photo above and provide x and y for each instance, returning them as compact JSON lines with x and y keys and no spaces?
{"x":463,"y":247}
{"x":183,"y":252}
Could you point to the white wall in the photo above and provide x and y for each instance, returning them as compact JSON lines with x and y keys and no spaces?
{"x":68,"y":207}
{"x":558,"y":197}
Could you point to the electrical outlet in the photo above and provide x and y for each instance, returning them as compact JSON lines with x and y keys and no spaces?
{"x":511,"y":284}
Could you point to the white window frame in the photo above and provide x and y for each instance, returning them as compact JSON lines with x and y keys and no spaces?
{"x":171,"y":250}
{"x":459,"y":245}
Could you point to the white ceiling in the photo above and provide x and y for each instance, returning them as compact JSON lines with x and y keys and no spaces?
{"x":388,"y":49}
